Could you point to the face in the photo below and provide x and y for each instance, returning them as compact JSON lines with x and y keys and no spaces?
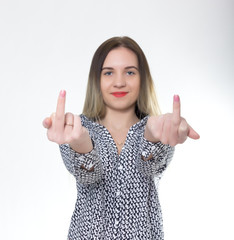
{"x":120,"y":80}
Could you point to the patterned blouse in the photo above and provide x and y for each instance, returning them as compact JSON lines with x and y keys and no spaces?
{"x":116,"y":193}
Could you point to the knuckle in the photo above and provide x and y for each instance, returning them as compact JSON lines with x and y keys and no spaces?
{"x":74,"y":136}
{"x":58,"y":138}
{"x":164,"y":141}
{"x":68,"y":139}
{"x":60,"y":141}
{"x":182,"y":139}
{"x":167,"y":116}
{"x":69,"y":113}
{"x":183,"y":129}
{"x":52,"y":115}
{"x":49,"y":137}
{"x":176,"y":121}
{"x":173,"y":143}
{"x":156,"y":135}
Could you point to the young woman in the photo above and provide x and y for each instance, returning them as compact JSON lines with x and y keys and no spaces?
{"x":117,"y":146}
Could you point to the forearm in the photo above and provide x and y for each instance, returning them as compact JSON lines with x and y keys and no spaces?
{"x":87,"y":168}
{"x":155,"y":157}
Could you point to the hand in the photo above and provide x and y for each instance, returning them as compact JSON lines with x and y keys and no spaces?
{"x":63,"y":128}
{"x":169,"y":128}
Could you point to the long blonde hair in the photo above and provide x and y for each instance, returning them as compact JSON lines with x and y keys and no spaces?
{"x":147,"y":104}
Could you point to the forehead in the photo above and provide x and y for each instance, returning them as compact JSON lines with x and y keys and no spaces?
{"x":121,"y":57}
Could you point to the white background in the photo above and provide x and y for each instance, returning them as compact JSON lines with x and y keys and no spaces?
{"x":48,"y":45}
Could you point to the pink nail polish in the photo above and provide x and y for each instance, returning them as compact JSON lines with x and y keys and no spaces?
{"x":62,"y":93}
{"x":176,"y":98}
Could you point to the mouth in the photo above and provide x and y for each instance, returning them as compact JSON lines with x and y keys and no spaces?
{"x":119,"y":94}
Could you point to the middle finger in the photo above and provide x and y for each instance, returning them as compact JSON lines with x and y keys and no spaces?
{"x":60,"y":110}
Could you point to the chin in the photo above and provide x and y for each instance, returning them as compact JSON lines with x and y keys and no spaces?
{"x":122,"y":107}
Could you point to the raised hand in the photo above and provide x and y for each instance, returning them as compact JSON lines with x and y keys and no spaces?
{"x":169,"y":128}
{"x":67,"y":128}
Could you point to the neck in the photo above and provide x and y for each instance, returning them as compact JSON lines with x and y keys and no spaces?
{"x":117,"y":120}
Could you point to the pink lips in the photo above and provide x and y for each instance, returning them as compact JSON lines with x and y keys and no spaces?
{"x":119,"y":94}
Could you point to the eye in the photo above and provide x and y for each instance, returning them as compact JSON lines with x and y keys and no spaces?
{"x":108,"y":73}
{"x":130,"y":73}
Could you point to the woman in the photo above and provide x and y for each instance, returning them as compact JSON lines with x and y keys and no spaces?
{"x":117,"y":146}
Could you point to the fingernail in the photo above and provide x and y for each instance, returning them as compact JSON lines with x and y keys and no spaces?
{"x":62,"y":93}
{"x":176,"y":98}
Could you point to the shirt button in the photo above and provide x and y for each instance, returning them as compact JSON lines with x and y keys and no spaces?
{"x":120,"y":167}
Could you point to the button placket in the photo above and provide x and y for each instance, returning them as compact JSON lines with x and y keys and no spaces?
{"x":119,"y":187}
{"x":117,"y":193}
{"x":120,"y":167}
{"x":120,"y":175}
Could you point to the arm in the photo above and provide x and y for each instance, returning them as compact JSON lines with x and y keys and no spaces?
{"x":85,"y":167}
{"x":76,"y":146}
{"x":155,"y":157}
{"x":161,"y":134}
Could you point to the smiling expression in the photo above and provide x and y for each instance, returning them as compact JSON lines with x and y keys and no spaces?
{"x":120,"y":79}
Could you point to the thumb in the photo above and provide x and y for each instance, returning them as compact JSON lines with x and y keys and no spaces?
{"x":193,"y":134}
{"x":47,"y":122}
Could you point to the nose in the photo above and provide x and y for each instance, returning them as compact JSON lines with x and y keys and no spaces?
{"x":119,"y":81}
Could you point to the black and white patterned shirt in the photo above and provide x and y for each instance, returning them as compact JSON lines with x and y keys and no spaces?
{"x":116,"y":193}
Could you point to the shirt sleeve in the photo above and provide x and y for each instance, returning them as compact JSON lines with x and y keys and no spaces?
{"x":161,"y":156}
{"x":86,"y":167}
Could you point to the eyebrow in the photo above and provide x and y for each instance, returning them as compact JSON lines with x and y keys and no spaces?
{"x":110,"y":68}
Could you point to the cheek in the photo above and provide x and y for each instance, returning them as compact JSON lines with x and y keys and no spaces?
{"x":104,"y":85}
{"x":138,"y":87}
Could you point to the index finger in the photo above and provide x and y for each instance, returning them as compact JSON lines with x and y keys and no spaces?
{"x":176,"y":109}
{"x":60,"y":110}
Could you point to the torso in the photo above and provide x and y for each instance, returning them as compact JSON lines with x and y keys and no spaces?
{"x":119,"y":135}
{"x":123,"y":203}
{"x":119,"y":138}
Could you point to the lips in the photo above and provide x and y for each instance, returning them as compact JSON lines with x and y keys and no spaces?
{"x":119,"y":94}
